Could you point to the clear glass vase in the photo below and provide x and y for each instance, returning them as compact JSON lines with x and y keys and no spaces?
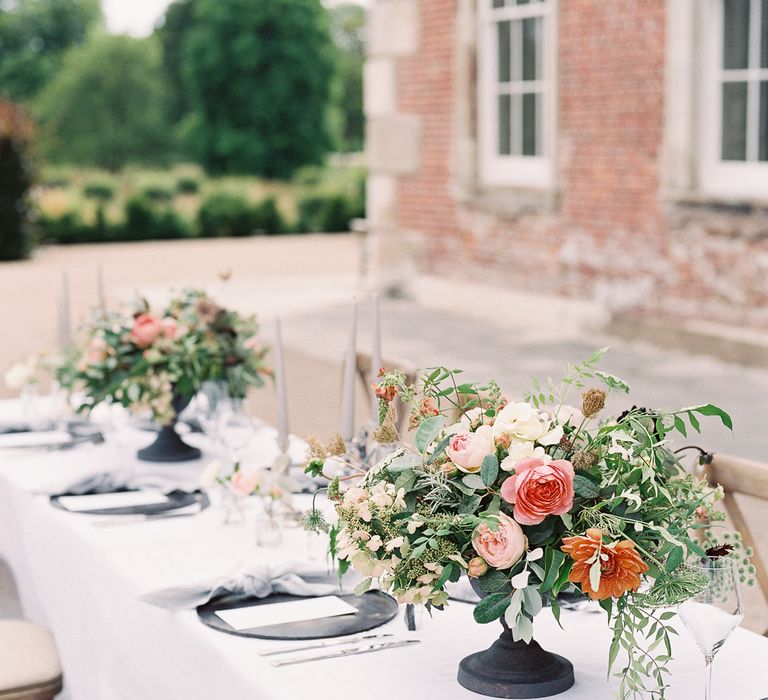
{"x":268,"y":530}
{"x":232,"y":508}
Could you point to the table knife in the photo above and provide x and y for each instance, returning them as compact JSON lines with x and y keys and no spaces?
{"x":349,"y":652}
{"x":322,"y":645}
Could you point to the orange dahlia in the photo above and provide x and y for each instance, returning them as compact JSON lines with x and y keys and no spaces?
{"x":620,"y":564}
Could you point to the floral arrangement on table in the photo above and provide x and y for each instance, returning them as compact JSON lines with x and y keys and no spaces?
{"x":531,"y":499}
{"x":149,"y":360}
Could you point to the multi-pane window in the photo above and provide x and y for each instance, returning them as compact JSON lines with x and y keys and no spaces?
{"x":514,"y":90}
{"x":744,"y":78}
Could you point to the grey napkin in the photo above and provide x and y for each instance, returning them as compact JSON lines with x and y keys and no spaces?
{"x":258,"y":581}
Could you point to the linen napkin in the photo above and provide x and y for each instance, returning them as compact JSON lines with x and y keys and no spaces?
{"x":257,"y":580}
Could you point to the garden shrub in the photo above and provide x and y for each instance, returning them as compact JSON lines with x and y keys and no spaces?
{"x":225,"y":214}
{"x":329,"y":213}
{"x":15,"y":181}
{"x":157,"y":193}
{"x":145,"y":220}
{"x":266,"y":217}
{"x":187,"y":185}
{"x":67,"y":228}
{"x":103,"y":191}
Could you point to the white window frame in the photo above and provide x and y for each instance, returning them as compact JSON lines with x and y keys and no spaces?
{"x":740,"y":179}
{"x":515,"y":170}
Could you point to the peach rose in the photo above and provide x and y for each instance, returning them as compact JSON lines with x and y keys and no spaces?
{"x":539,"y":488}
{"x":145,"y":330}
{"x":477,"y":566}
{"x":170,"y":328}
{"x":97,"y":350}
{"x":502,"y":548}
{"x":467,"y":450}
{"x":245,"y":482}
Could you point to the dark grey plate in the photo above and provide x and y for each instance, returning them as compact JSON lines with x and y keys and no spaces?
{"x":374,"y":609}
{"x":176,"y":499}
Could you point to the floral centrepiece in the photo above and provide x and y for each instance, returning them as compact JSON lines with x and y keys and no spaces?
{"x":145,"y":359}
{"x":531,"y":498}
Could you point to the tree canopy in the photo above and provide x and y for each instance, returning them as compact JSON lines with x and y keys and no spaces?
{"x":34,"y":34}
{"x":258,"y":80}
{"x":106,"y":106}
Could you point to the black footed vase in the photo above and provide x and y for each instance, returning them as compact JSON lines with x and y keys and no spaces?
{"x":510,"y":669}
{"x":168,"y":445}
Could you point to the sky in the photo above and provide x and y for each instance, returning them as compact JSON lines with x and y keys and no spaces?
{"x":138,"y":17}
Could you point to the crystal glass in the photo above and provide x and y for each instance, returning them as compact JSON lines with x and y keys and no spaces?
{"x":208,"y":407}
{"x":715,"y":612}
{"x":235,"y":428}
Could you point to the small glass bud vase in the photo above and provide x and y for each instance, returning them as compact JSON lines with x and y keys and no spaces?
{"x":232,"y":508}
{"x":268,"y":531}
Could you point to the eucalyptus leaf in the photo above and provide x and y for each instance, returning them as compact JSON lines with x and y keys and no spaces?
{"x":427,"y":431}
{"x":473,"y":481}
{"x":584,"y":487}
{"x":490,"y":470}
{"x":491,"y":608}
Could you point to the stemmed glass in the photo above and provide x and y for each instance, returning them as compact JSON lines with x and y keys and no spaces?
{"x":715,"y":612}
{"x":208,"y":405}
{"x":236,"y":429}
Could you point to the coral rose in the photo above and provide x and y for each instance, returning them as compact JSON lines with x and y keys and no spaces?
{"x":502,"y":548}
{"x":620,"y":564}
{"x":539,"y":488}
{"x":145,"y":330}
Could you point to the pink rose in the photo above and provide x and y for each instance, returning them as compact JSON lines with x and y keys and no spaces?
{"x":245,"y":482}
{"x":502,"y":548}
{"x":169,"y":328}
{"x":145,"y":329}
{"x":539,"y":489}
{"x":467,"y":450}
{"x":97,"y":351}
{"x":253,"y":344}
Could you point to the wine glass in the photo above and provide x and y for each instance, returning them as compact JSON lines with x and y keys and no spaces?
{"x":208,"y":406}
{"x":235,"y":428}
{"x":715,"y":612}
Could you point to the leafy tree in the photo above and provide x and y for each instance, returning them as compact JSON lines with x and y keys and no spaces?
{"x":347,"y":30}
{"x":106,"y":107}
{"x":258,"y":76}
{"x":176,"y":22}
{"x":33,"y":36}
{"x":15,"y":133}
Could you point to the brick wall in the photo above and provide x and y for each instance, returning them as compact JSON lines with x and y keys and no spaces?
{"x":606,"y":234}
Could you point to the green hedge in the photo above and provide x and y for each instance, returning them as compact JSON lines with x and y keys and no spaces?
{"x":221,"y":214}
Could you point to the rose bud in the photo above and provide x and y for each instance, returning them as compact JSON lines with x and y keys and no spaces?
{"x":477,"y":567}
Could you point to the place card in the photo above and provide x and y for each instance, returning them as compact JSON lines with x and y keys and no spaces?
{"x":282,"y":613}
{"x":122,"y":499}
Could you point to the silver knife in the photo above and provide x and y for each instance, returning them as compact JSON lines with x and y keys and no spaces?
{"x":322,"y":645}
{"x":349,"y":652}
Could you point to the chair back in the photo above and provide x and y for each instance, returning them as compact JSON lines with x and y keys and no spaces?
{"x":745,"y":476}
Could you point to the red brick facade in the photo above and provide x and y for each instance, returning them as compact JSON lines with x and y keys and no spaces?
{"x":607,"y":231}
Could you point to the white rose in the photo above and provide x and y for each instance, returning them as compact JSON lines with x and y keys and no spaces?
{"x":210,"y":474}
{"x":523,"y":422}
{"x":18,"y":376}
{"x":518,"y":450}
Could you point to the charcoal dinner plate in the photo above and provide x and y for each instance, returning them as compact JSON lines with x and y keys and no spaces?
{"x":176,"y":499}
{"x":374,"y":609}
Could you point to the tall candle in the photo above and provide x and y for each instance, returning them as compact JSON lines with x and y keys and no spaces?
{"x":102,"y":296}
{"x":375,"y":356}
{"x":65,"y":334}
{"x":280,"y":388}
{"x":347,"y":421}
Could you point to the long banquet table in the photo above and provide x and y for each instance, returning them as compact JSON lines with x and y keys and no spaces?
{"x":83,"y":582}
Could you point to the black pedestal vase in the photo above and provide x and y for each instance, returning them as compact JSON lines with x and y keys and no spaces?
{"x":168,"y":445}
{"x":510,"y":669}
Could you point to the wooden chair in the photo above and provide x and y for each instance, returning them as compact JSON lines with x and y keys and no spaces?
{"x":30,"y":668}
{"x":738,"y":475}
{"x":364,"y":374}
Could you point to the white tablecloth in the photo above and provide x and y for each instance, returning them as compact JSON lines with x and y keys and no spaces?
{"x":83,"y":583}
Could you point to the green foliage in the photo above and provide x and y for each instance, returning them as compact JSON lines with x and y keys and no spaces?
{"x":103,"y":191}
{"x":225,"y":214}
{"x":266,"y":217}
{"x":187,"y":185}
{"x":106,"y":105}
{"x":15,"y":181}
{"x":176,"y":22}
{"x":146,"y":220}
{"x":34,"y":34}
{"x":329,"y":213}
{"x":258,"y":76}
{"x":157,"y":193}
